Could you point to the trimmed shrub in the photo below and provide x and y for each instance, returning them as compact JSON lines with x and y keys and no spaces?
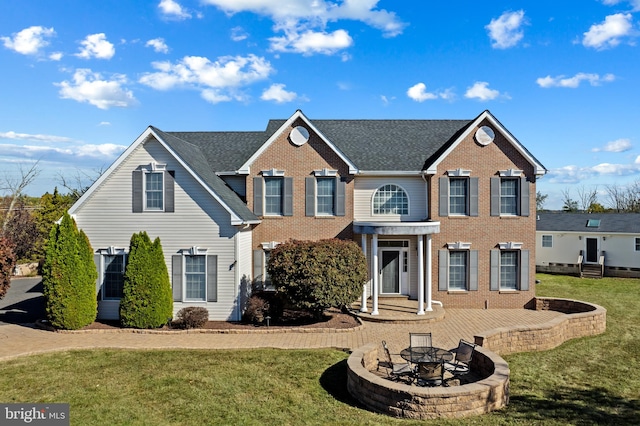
{"x":316,"y":275}
{"x":146,"y":300}
{"x":257,"y":308}
{"x":192,"y":317}
{"x":69,"y":277}
{"x":7,"y":264}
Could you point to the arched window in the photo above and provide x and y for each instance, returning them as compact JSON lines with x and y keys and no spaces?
{"x":390,"y":199}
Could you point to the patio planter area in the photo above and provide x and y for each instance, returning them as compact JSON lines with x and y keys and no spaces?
{"x":379,"y":394}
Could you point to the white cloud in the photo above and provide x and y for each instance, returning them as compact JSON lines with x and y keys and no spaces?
{"x":574,"y":82}
{"x":29,"y":41}
{"x":33,"y":137}
{"x":238,"y":34}
{"x":96,"y":46}
{"x":277,"y":93}
{"x":304,"y":22}
{"x":481,"y":91}
{"x":419,"y":93}
{"x":158,"y":45}
{"x":216,"y":80}
{"x":310,"y":42}
{"x":89,"y":87}
{"x":506,"y":31}
{"x":575,"y":174}
{"x":56,"y":56}
{"x":619,"y":145}
{"x":173,"y":10}
{"x":635,"y":4}
{"x":608,"y":33}
{"x":65,"y":155}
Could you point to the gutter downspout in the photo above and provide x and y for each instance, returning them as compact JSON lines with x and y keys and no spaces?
{"x":429,"y":281}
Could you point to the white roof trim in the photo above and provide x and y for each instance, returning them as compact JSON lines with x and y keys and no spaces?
{"x":235,"y":219}
{"x":538,"y":168}
{"x":245,"y":168}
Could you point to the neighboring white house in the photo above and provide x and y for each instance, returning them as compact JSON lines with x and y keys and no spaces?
{"x":572,"y":243}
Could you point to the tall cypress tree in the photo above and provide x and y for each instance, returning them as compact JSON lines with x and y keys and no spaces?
{"x":146,"y":296}
{"x":69,"y":277}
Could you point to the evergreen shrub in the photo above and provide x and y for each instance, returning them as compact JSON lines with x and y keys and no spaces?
{"x":146,"y":300}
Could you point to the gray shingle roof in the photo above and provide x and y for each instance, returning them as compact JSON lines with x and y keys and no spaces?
{"x":372,"y":145}
{"x":577,"y":222}
{"x":199,"y":163}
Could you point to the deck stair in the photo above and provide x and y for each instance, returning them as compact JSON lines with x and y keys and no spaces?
{"x":591,"y":271}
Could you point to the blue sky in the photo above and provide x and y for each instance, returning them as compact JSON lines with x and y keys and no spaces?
{"x":80,"y":80}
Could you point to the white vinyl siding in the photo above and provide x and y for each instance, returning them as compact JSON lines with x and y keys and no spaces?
{"x":366,"y":187}
{"x":107,"y":219}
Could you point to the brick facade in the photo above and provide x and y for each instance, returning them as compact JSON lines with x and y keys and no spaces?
{"x":484,"y":232}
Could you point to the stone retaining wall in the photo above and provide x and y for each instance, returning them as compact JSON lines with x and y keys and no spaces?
{"x":582,"y":319}
{"x":402,"y":400}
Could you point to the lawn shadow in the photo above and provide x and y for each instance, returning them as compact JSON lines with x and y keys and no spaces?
{"x":596,"y":406}
{"x":334,"y":381}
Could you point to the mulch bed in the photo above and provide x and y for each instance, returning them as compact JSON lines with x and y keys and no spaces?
{"x":332,"y":319}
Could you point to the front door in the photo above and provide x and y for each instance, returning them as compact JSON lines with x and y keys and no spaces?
{"x":390,"y":271}
{"x":592,"y":250}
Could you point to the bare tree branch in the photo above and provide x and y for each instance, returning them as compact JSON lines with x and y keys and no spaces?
{"x":15,"y":186}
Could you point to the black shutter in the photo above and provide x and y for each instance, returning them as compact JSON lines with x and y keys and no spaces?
{"x":524,"y":197}
{"x":137,"y":191}
{"x":258,"y":189}
{"x":169,"y":191}
{"x":96,"y":260}
{"x":473,"y":270}
{"x":524,"y":270}
{"x":212,"y":278}
{"x":473,"y":196}
{"x":341,"y":188}
{"x":495,"y":196}
{"x":495,"y":271}
{"x":176,"y":273}
{"x":444,"y":196}
{"x":443,"y":270}
{"x":310,"y":196}
{"x":287,"y":202}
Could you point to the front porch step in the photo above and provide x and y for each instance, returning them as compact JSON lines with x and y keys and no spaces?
{"x":398,"y":310}
{"x":591,"y":271}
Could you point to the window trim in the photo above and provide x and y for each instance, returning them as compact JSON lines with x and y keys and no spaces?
{"x":146,"y":191}
{"x":280,"y":196}
{"x":471,"y":268}
{"x":472,"y":188}
{"x":465,"y":196}
{"x":522,"y":268}
{"x":179,"y":282}
{"x":101,"y":264}
{"x":186,"y":274}
{"x":401,"y":190}
{"x":516,"y":269}
{"x":332,"y":195}
{"x":515,"y":197}
{"x":549,"y":241}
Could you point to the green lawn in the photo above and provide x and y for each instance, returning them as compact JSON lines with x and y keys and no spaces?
{"x":585,"y":381}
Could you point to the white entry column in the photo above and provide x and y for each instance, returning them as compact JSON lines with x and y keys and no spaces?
{"x":420,"y":275}
{"x":363,"y":303}
{"x":374,"y":273}
{"x":428,"y":273}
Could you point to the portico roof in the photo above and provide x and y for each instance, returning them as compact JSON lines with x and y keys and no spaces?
{"x":396,"y":228}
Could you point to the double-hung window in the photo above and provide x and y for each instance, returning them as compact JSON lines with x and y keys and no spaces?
{"x":458,"y":194}
{"x":273,"y":190}
{"x":547,"y":241}
{"x":194,"y":276}
{"x":326,"y":190}
{"x":509,"y":268}
{"x":273,"y":194}
{"x":510,"y":194}
{"x":325,"y":194}
{"x":390,"y":199}
{"x":110,"y":263}
{"x":153,"y":189}
{"x":154,"y":193}
{"x":458,"y":268}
